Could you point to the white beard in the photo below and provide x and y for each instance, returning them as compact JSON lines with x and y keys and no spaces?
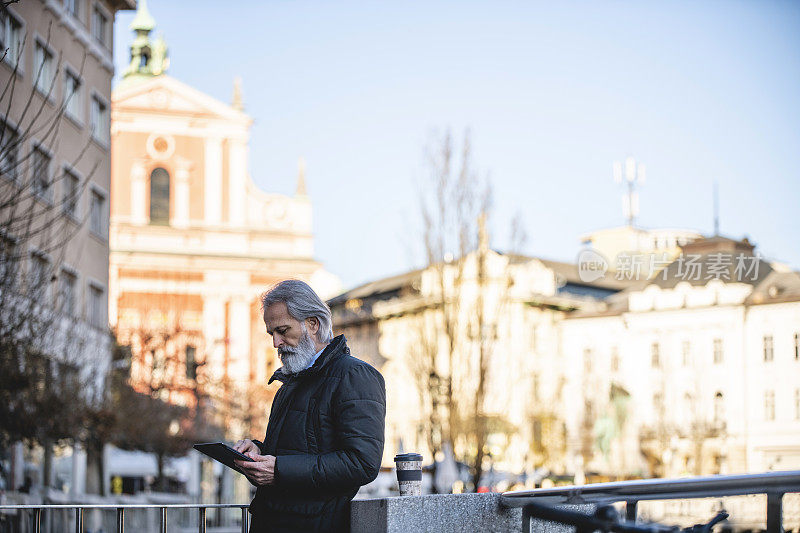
{"x":296,"y":359}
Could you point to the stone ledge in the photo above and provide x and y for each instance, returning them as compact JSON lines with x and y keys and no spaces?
{"x":434,"y":513}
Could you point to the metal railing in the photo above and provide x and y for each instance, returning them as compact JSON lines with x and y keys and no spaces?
{"x":773,"y":484}
{"x":37,"y":511}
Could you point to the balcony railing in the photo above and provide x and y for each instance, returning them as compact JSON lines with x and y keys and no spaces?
{"x":773,"y":484}
{"x":481,"y":512}
{"x":36,"y":512}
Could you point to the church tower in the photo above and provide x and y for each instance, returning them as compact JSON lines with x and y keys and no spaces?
{"x":148,"y":58}
{"x":194,"y":241}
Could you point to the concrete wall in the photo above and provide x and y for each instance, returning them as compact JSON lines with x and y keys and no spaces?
{"x":435,"y":513}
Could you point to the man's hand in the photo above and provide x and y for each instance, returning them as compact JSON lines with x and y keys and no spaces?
{"x":246,"y":445}
{"x":260,"y":471}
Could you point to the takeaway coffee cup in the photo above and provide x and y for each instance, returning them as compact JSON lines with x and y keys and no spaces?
{"x":409,"y":473}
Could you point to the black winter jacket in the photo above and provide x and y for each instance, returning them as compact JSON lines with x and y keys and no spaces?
{"x":326,"y":430}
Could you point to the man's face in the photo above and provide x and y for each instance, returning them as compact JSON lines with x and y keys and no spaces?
{"x":284,"y":329}
{"x":291,"y":337}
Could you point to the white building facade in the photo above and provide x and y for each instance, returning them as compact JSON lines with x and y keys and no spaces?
{"x":708,"y":371}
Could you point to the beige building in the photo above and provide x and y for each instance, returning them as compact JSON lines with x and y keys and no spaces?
{"x":654,"y":248}
{"x":194,"y":242}
{"x":397,"y":322}
{"x":56,"y":183}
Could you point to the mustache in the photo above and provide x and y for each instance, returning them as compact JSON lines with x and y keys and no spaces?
{"x":286,"y":350}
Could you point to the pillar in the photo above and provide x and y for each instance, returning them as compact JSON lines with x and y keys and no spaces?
{"x":139,"y":194}
{"x":237,"y":182}
{"x":195,"y":475}
{"x":239,"y":328}
{"x":17,"y":466}
{"x":180,"y":217}
{"x":78,"y":485}
{"x":213,"y":181}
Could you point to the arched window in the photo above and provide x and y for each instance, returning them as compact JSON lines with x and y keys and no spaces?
{"x":159,"y":196}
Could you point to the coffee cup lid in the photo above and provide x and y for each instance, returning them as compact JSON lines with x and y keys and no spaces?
{"x":407,"y":457}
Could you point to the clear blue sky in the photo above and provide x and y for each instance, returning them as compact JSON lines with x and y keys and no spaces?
{"x":552,"y":92}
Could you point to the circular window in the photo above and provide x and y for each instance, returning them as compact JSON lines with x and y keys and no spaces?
{"x":160,"y":146}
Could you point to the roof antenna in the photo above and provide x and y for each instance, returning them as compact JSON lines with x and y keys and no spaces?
{"x":716,"y":208}
{"x":632,"y":175}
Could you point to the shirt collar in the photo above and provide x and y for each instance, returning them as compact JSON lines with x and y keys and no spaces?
{"x":316,"y":357}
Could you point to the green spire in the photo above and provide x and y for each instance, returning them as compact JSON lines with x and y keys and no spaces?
{"x":143,"y":21}
{"x":148,"y":58}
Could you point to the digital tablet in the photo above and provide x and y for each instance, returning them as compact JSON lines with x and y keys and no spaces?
{"x":221,"y":452}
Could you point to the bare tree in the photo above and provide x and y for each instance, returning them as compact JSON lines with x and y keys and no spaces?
{"x":147,"y":422}
{"x":165,"y":400}
{"x":48,"y":391}
{"x":450,"y":209}
{"x":169,"y":356}
{"x":459,"y":327}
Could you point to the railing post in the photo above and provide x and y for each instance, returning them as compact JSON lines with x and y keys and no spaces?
{"x":526,"y":519}
{"x":201,"y":520}
{"x":630,"y":510}
{"x":79,"y":520}
{"x":37,"y":521}
{"x":163,"y":520}
{"x":245,"y":520}
{"x":775,"y":512}
{"x":120,"y":520}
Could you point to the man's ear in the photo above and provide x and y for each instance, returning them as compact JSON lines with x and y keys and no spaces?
{"x":312,"y":325}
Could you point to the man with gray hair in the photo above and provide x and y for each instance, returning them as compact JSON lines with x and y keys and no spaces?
{"x":325,"y":432}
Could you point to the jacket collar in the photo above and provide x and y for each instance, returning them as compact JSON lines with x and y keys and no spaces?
{"x":335,"y":349}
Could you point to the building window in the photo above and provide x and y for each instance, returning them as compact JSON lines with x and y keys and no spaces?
{"x":39,"y":276}
{"x":8,"y":262}
{"x":100,"y":125}
{"x":66,"y":289}
{"x":769,"y":405}
{"x":718,"y":355}
{"x":719,"y":407}
{"x":71,"y":193}
{"x":587,"y":361}
{"x":44,"y":68}
{"x":96,"y":306}
{"x":769,"y":353}
{"x":686,"y":351}
{"x":797,"y":346}
{"x":614,"y":359}
{"x":9,"y":151}
{"x":41,"y":173}
{"x":10,"y":38}
{"x":73,"y":96}
{"x":658,"y":402}
{"x":159,"y":196}
{"x":97,"y":214}
{"x":655,"y":355}
{"x":100,"y":26}
{"x":191,"y":362}
{"x":73,"y":7}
